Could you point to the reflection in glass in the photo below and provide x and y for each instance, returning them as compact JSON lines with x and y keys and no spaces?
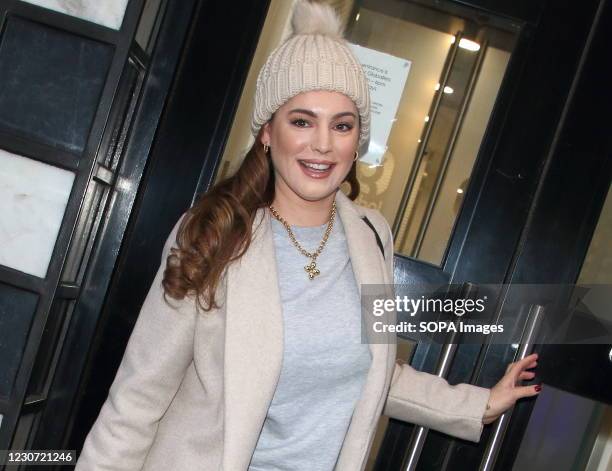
{"x":33,"y":198}
{"x":597,"y":265}
{"x":106,"y":13}
{"x":566,"y":432}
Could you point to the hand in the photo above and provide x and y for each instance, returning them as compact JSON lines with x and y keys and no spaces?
{"x":505,"y":393}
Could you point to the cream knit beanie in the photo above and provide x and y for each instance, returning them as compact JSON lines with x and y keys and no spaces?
{"x":315,"y":57}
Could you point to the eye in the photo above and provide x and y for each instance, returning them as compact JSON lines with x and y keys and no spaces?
{"x":300,"y":123}
{"x":345,"y":127}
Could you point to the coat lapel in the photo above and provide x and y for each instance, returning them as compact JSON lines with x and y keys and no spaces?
{"x":253,"y":344}
{"x":254,"y":339}
{"x":369,"y":268}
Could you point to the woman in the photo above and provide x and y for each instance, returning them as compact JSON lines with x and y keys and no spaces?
{"x":247,"y":353}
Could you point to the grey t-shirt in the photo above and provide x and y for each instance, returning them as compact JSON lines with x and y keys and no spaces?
{"x":324,"y":363}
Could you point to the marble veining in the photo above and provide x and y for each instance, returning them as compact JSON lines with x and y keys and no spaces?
{"x":33,"y":198}
{"x":106,"y":12}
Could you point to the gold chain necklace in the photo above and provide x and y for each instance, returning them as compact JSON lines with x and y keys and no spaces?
{"x":311,"y":268}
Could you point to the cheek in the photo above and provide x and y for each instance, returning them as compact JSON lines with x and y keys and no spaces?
{"x":348,"y":154}
{"x":288,"y":141}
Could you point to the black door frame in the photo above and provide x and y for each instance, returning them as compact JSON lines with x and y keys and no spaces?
{"x":84,"y":163}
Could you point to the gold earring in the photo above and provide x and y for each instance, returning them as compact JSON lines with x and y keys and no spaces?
{"x":266,"y":147}
{"x":356,"y":156}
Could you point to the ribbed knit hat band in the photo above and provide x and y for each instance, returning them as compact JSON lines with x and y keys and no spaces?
{"x":315,"y":57}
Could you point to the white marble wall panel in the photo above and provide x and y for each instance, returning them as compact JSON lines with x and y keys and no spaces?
{"x":33,"y":198}
{"x":104,"y":12}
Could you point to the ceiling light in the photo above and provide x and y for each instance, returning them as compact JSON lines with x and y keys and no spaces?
{"x":448,"y":90}
{"x":466,"y":44}
{"x":469,"y":45}
{"x":427,"y":119}
{"x":459,"y":190}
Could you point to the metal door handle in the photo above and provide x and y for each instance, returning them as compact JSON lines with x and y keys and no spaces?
{"x":534,"y":319}
{"x":417,"y":439}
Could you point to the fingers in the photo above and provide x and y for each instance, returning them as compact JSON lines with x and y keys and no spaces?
{"x":530,"y":361}
{"x":515,"y":371}
{"x":527,"y":391}
{"x":526,"y":375}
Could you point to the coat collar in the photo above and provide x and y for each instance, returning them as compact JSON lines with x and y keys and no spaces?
{"x":254,"y":329}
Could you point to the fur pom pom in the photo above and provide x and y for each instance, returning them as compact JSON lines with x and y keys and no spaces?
{"x":316,"y":18}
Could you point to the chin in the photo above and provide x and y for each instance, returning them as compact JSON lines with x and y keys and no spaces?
{"x":315,"y":194}
{"x":311,"y":189}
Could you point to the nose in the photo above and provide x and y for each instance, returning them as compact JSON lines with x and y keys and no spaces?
{"x":322,"y":140}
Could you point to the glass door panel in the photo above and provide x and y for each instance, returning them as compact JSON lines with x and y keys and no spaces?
{"x":570,"y":427}
{"x":456,"y":70}
{"x":566,"y":432}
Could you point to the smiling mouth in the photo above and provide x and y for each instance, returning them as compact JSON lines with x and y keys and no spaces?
{"x":317,"y":167}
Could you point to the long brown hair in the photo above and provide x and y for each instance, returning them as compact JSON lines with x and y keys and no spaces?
{"x":217,"y":229}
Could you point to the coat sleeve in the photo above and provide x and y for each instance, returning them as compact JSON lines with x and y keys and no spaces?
{"x":157,"y":355}
{"x":428,"y":400}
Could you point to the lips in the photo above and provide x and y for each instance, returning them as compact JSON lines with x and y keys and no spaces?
{"x":317,"y":168}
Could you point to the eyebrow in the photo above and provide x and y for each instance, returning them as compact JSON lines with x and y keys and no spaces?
{"x":314,"y":115}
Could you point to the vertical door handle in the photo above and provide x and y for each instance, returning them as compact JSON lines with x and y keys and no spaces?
{"x":534,"y":319}
{"x":419,"y":434}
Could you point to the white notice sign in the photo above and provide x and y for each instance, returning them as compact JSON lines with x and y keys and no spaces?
{"x":387,"y":76}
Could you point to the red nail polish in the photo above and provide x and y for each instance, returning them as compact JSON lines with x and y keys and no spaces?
{"x":538,"y":388}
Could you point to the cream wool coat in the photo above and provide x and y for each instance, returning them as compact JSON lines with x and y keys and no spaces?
{"x":192,"y":390}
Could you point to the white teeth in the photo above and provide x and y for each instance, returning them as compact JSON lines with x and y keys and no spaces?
{"x":317,"y":166}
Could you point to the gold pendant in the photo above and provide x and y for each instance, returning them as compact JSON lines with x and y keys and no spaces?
{"x":312,"y":269}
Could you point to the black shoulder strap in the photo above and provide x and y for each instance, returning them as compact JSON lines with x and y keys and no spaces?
{"x":378,"y":241}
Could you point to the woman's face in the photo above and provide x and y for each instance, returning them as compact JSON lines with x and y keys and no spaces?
{"x":312,"y":139}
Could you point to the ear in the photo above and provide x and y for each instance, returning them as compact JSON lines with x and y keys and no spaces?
{"x":265,"y":133}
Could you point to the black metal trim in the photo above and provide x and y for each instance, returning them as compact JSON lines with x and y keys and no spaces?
{"x":46,"y":154}
{"x":378,"y":241}
{"x":65,"y":22}
{"x":22,"y":280}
